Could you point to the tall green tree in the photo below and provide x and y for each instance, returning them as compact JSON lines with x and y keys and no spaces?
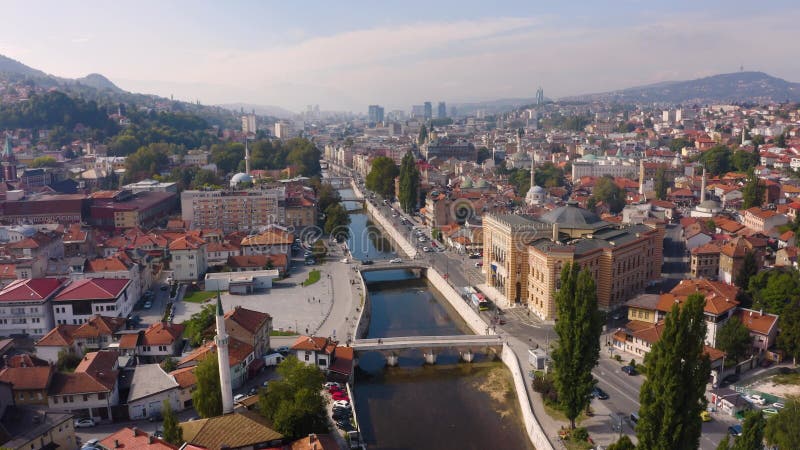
{"x":661,"y":183}
{"x":207,"y":397}
{"x":548,"y":175}
{"x":783,"y":429}
{"x":753,"y":191}
{"x":743,"y":160}
{"x":623,"y":443}
{"x":381,"y":176}
{"x":734,"y":339}
{"x":606,"y":191}
{"x":672,"y":396}
{"x":725,"y":443}
{"x":717,"y":159}
{"x":409,"y":183}
{"x":578,"y":348}
{"x":773,"y":289}
{"x":423,"y":135}
{"x":789,"y":337}
{"x":336,"y":221}
{"x":173,"y":433}
{"x":327,"y":195}
{"x":293,"y":403}
{"x":752,"y":437}
{"x":749,"y":269}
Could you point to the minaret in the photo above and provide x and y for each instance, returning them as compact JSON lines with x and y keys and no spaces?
{"x":222,"y":359}
{"x":703,"y":186}
{"x":246,"y":157}
{"x":744,"y":133}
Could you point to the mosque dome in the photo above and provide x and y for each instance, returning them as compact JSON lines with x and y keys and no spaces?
{"x":239,"y":178}
{"x":573,"y":216}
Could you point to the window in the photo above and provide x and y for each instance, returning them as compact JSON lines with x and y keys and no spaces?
{"x":162,"y":348}
{"x":55,"y":400}
{"x":308,"y":356}
{"x":85,"y":398}
{"x":101,"y":395}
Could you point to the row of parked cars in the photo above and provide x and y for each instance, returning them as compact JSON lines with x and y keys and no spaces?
{"x":341,"y":412}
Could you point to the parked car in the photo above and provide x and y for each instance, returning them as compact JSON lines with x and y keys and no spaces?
{"x":331,"y":384}
{"x":395,"y":261}
{"x":367,"y":262}
{"x":630,"y":370}
{"x":164,"y":287}
{"x":84,"y":423}
{"x":91,"y":444}
{"x":769,"y":411}
{"x":479,"y":264}
{"x":252,"y":391}
{"x":238,"y":397}
{"x":705,"y":416}
{"x":778,"y":405}
{"x":283,"y":350}
{"x":757,"y":399}
{"x":159,"y":434}
{"x":735,"y":430}
{"x":599,"y":393}
{"x":342,"y":403}
{"x":634,"y":417}
{"x":148,"y":304}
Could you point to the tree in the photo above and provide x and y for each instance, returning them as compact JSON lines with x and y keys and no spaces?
{"x":734,"y":339}
{"x":423,"y":135}
{"x":749,"y":268}
{"x":774,"y":289}
{"x":753,"y":191}
{"x":578,"y":327}
{"x":752,"y":437}
{"x":196,"y":328}
{"x":381,"y":176}
{"x":484,"y":154}
{"x":44,"y":161}
{"x":783,"y":429}
{"x":789,"y":337}
{"x":67,"y":361}
{"x":336,"y":221}
{"x":173,"y":433}
{"x":207,"y":397}
{"x":146,"y":162}
{"x":548,"y":175}
{"x":327,"y":195}
{"x":743,"y":160}
{"x":169,"y":364}
{"x":607,"y":191}
{"x":672,"y":396}
{"x":319,"y":250}
{"x":717,"y":159}
{"x":293,"y":404}
{"x":409,"y":183}
{"x":725,"y":443}
{"x":661,"y":183}
{"x":521,"y":180}
{"x":676,"y":145}
{"x":624,"y":443}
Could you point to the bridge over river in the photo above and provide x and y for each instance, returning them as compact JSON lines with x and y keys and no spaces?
{"x":466,"y":344}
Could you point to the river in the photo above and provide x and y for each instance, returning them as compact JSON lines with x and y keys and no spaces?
{"x":449,"y":405}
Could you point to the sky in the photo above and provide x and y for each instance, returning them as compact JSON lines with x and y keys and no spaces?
{"x":346,"y":55}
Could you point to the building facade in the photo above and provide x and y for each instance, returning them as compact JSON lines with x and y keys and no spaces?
{"x":234,"y":210}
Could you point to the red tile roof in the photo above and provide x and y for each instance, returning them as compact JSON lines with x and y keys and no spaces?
{"x":28,"y":378}
{"x":162,"y":333}
{"x":238,"y":352}
{"x":60,"y":336}
{"x":757,"y":321}
{"x":129,"y":340}
{"x":315,"y":344}
{"x":99,"y":326}
{"x":247,"y":318}
{"x":111,"y":264}
{"x":93,"y":289}
{"x":135,"y":439}
{"x":36,"y":289}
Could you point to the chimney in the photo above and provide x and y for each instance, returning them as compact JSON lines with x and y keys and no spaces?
{"x":116,"y":443}
{"x":135,"y":430}
{"x":312,"y":438}
{"x":150,"y":439}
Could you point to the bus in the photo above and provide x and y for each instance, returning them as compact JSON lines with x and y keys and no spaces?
{"x":479,"y":301}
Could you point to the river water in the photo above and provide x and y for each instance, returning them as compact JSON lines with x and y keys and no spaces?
{"x":449,"y":405}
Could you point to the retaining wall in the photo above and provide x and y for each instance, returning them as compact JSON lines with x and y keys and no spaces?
{"x":469,"y":315}
{"x":387,"y":227}
{"x":532,"y":427}
{"x":366,"y":312}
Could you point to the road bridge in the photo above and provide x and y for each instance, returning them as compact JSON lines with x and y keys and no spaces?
{"x":465,"y":344}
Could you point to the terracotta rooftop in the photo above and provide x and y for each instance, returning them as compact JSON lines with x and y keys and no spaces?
{"x":238,"y":352}
{"x":720,"y":297}
{"x":60,"y":336}
{"x":315,"y":344}
{"x":757,"y":321}
{"x":28,"y":378}
{"x":247,"y":318}
{"x":99,"y":326}
{"x":235,"y":430}
{"x":135,"y":439}
{"x":162,"y":333}
{"x":36,"y":289}
{"x":111,"y":264}
{"x":93,"y":289}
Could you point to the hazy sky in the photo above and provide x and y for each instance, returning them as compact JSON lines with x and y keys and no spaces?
{"x":348,"y":54}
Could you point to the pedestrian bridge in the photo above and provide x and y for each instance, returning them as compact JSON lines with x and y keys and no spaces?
{"x":466,"y":344}
{"x":386,"y":265}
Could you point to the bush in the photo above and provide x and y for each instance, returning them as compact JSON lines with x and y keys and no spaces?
{"x":580,"y":434}
{"x":618,"y":358}
{"x":545,"y":386}
{"x":633,"y":363}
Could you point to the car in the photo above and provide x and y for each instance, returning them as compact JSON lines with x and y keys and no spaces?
{"x":341,"y":408}
{"x":422,"y":239}
{"x":155,"y":417}
{"x":342,"y":403}
{"x":769,"y":411}
{"x":310,"y":262}
{"x":331,"y":383}
{"x":705,"y":416}
{"x":340,"y":396}
{"x":252,"y":391}
{"x":284,"y":350}
{"x":634,"y":417}
{"x":599,"y":393}
{"x":84,"y":423}
{"x":630,"y":370}
{"x":395,"y":261}
{"x":778,"y":405}
{"x":479,"y":264}
{"x":265,"y":384}
{"x":90,"y":444}
{"x":617,"y":316}
{"x":757,"y":399}
{"x":159,"y":434}
{"x":474,"y":256}
{"x":334,"y":389}
{"x":735,"y":430}
{"x":341,"y":414}
{"x":367,"y":262}
{"x":148,"y":304}
{"x":238,"y":397}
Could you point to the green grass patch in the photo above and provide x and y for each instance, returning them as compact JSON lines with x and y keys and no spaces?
{"x":199,"y":296}
{"x":313,"y":277}
{"x":282,"y":333}
{"x":787,"y":378}
{"x":555,"y":412}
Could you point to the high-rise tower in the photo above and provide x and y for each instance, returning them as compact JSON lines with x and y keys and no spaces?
{"x":222,"y":359}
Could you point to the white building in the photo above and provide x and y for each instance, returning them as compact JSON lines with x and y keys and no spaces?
{"x":150,"y":386}
{"x":188,"y":258}
{"x":152,"y":186}
{"x":80,"y":300}
{"x":282,"y":130}
{"x":593,"y":166}
{"x":25,"y":306}
{"x":241,"y":282}
{"x":249,"y":125}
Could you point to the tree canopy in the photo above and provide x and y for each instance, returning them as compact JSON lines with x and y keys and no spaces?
{"x":44,"y":161}
{"x":196,"y":328}
{"x":717,"y":159}
{"x":661,"y":183}
{"x":789,"y":324}
{"x":752,"y":437}
{"x":734,"y":339}
{"x":606,"y":191}
{"x":408,"y":194}
{"x":783,"y":429}
{"x":294,"y":403}
{"x":146,"y":162}
{"x":578,"y":348}
{"x":773,"y":289}
{"x":743,"y":160}
{"x":207,"y":397}
{"x":753,"y":191}
{"x":548,"y":175}
{"x":173,"y":433}
{"x":336,"y":221}
{"x":672,"y":396}
{"x":381,"y":176}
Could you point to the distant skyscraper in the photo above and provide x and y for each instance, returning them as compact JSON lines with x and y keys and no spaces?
{"x":249,"y":125}
{"x":417,"y":111}
{"x":540,"y":96}
{"x":442,"y":111}
{"x":375,"y":114}
{"x":428,"y":111}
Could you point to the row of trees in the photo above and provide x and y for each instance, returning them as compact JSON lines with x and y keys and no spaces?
{"x":380,"y":178}
{"x":720,"y":159}
{"x":268,"y":155}
{"x":408,"y":194}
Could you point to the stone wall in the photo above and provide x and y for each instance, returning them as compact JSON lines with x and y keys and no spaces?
{"x":532,"y":427}
{"x":469,"y":315}
{"x":407,"y":247}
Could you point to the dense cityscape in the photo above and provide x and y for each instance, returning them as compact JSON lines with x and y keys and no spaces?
{"x":616,"y":270}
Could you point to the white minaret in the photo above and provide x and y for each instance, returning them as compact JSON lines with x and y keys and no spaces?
{"x":703,"y":186}
{"x":222,"y":359}
{"x":246,"y":157}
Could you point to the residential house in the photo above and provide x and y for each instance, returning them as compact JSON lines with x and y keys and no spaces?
{"x":81,"y":300}
{"x":97,"y":333}
{"x":720,"y":303}
{"x":318,"y":351}
{"x":763,"y":328}
{"x":704,"y":262}
{"x":315,"y":442}
{"x":134,"y":439}
{"x":252,"y":327}
{"x":91,"y":390}
{"x":150,"y":387}
{"x":33,"y":429}
{"x":187,"y":383}
{"x":161,"y":340}
{"x":240,"y":356}
{"x":642,"y":308}
{"x":786,"y":257}
{"x":25,"y":306}
{"x":239,"y":430}
{"x":119,"y":266}
{"x":29,"y":385}
{"x":58,"y":340}
{"x":77,"y":241}
{"x":763,"y":220}
{"x":188,"y":258}
{"x":218,"y":253}
{"x":247,"y":263}
{"x":732,"y":256}
{"x":272,"y":241}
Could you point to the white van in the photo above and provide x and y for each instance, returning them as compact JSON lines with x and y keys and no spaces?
{"x":273,"y":359}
